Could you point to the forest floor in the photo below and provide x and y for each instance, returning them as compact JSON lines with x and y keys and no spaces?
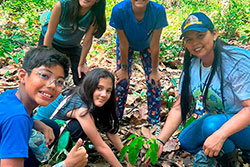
{"x":135,"y":117}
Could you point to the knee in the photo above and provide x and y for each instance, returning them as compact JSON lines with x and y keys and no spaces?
{"x":210,"y":125}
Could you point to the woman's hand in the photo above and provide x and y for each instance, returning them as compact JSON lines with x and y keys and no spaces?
{"x":213,"y":144}
{"x":159,"y":152}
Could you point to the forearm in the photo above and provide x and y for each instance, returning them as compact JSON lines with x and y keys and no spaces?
{"x":85,"y":50}
{"x":172,"y":123}
{"x":116,"y":141}
{"x":124,"y":54}
{"x":108,"y":155}
{"x":48,"y":39}
{"x":155,"y":50}
{"x":238,"y":122}
{"x":39,"y":125}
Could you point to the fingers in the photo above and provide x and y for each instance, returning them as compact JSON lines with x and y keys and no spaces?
{"x":78,"y":144}
{"x":79,"y":73}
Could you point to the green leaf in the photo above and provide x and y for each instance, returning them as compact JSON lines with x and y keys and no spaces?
{"x":61,"y":123}
{"x":132,"y":156}
{"x":153,"y":157}
{"x":143,"y":93}
{"x":131,"y":136}
{"x":7,"y":73}
{"x":123,"y":152}
{"x":63,"y":141}
{"x":147,"y":154}
{"x":165,"y":94}
{"x":188,"y":122}
{"x":139,"y":144}
{"x":173,"y":80}
{"x":133,"y":143}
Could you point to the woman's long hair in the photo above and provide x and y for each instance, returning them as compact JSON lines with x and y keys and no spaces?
{"x":216,"y":67}
{"x":105,"y":117}
{"x":99,"y":11}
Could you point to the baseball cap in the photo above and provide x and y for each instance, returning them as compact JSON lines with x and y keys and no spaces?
{"x":197,"y":22}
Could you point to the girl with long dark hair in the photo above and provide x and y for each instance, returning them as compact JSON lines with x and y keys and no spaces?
{"x":215,"y":84}
{"x":90,"y":106}
{"x":67,"y":24}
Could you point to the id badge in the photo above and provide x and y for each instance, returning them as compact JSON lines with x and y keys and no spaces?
{"x":199,"y":108}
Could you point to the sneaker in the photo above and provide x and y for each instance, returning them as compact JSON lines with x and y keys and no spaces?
{"x":157,"y":128}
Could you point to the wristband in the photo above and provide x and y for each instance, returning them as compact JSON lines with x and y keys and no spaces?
{"x":160,"y":141}
{"x":124,"y":66}
{"x":60,"y":164}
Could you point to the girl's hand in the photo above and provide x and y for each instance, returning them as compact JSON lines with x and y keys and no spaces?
{"x":121,"y":75}
{"x":213,"y":144}
{"x":155,"y":75}
{"x":82,"y":68}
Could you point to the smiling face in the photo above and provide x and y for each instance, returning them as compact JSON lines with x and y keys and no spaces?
{"x":200,"y":44}
{"x":87,"y":3}
{"x":43,"y":85}
{"x":139,"y":3}
{"x":103,"y":91}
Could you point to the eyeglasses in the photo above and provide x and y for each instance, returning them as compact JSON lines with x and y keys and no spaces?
{"x":48,"y":78}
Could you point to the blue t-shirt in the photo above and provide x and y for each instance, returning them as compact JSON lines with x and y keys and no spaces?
{"x":138,"y":33}
{"x":236,"y":81}
{"x":47,"y":111}
{"x":15,"y":126}
{"x":66,"y":34}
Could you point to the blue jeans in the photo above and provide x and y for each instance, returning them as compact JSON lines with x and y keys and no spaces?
{"x":153,"y":94}
{"x":193,"y":137}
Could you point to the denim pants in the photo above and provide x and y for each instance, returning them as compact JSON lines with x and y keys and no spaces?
{"x":193,"y":137}
{"x":153,"y":94}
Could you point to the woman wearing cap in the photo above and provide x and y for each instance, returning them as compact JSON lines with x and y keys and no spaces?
{"x":215,"y":84}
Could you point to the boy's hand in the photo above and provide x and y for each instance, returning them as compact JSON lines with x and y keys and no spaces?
{"x":46,"y":130}
{"x":82,"y":68}
{"x":77,"y":157}
{"x":48,"y":135}
{"x":155,"y":75}
{"x":121,"y":75}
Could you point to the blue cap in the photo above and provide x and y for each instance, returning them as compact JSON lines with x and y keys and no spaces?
{"x":197,"y":22}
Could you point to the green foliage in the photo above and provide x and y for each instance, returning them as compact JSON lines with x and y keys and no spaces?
{"x":167,"y":99}
{"x":134,"y":147}
{"x":19,"y":22}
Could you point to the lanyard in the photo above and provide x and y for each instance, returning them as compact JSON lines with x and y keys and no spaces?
{"x":205,"y":87}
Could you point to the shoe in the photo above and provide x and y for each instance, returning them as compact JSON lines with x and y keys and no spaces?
{"x":229,"y":160}
{"x":157,"y":129}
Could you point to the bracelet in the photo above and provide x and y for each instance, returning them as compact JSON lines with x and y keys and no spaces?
{"x":124,"y":66}
{"x":60,"y":164}
{"x":160,"y":141}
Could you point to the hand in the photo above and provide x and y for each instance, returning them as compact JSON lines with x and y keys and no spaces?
{"x":155,"y":75}
{"x":213,"y":144}
{"x":121,"y":75}
{"x":82,"y":68}
{"x":159,"y":152}
{"x":46,"y":130}
{"x":48,"y":135}
{"x":77,"y":157}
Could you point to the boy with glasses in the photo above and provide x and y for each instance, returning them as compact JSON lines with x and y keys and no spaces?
{"x":41,"y":81}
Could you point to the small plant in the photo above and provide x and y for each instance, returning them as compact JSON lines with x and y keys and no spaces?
{"x":134,"y":147}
